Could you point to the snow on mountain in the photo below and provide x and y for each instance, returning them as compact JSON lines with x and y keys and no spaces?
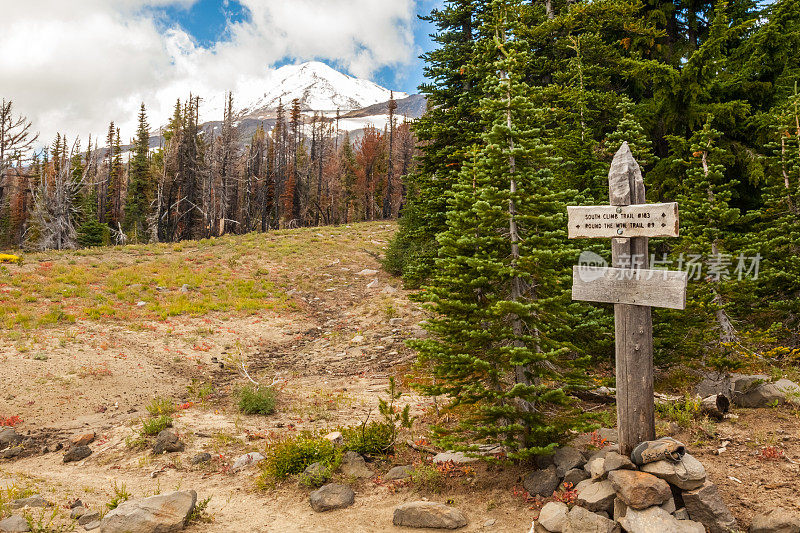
{"x":317,"y":86}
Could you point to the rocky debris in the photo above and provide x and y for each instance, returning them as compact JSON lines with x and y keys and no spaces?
{"x":639,"y":490}
{"x":77,"y":453}
{"x":167,"y":442}
{"x":92,"y":525}
{"x":580,"y":520}
{"x":553,"y":516}
{"x":681,"y":514}
{"x":201,"y":458}
{"x":542,"y":482}
{"x":424,"y":514}
{"x":88,"y":518}
{"x":705,"y":505}
{"x":353,"y":465}
{"x":14,"y":524}
{"x":84,"y":439}
{"x":77,"y":512}
{"x":398,"y":472}
{"x":367,"y":272}
{"x":9,"y":437}
{"x":656,"y":519}
{"x":758,"y":391}
{"x":575,"y":476}
{"x":247,"y":460}
{"x":31,"y":501}
{"x":395,"y":322}
{"x":597,"y":496}
{"x":776,"y":521}
{"x":158,"y":514}
{"x":335,"y":437}
{"x":332,"y":496}
{"x":614,"y":461}
{"x":686,"y":474}
{"x":566,"y":459}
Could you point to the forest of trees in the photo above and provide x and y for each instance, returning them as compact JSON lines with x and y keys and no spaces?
{"x":201,"y":182}
{"x":528,"y":102}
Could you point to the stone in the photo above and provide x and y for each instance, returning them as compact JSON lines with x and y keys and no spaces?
{"x":424,"y":514}
{"x":167,"y":442}
{"x":9,"y":437}
{"x":776,"y":521}
{"x":542,"y":482}
{"x":10,"y":453}
{"x":353,"y":465}
{"x":164,"y":513}
{"x":580,"y":520}
{"x":596,"y":467}
{"x":687,"y":474}
{"x":398,"y":472}
{"x":669,"y":505}
{"x":585,"y":483}
{"x":367,"y":272}
{"x":597,"y":496}
{"x":335,"y":437}
{"x":83,"y":439}
{"x":575,"y":476}
{"x":76,"y":503}
{"x":553,"y":516}
{"x":332,"y":496}
{"x":92,"y":525}
{"x":681,"y":514}
{"x":77,"y":453}
{"x":34,"y":501}
{"x":619,"y":509}
{"x":614,"y":461}
{"x":656,"y":519}
{"x":758,"y":391}
{"x":88,"y":518}
{"x":394,"y":322}
{"x":77,"y":512}
{"x":316,"y":474}
{"x":639,"y":490}
{"x":14,"y":524}
{"x":566,"y":459}
{"x":201,"y":458}
{"x":455,"y":457}
{"x":705,"y":505}
{"x":247,"y":460}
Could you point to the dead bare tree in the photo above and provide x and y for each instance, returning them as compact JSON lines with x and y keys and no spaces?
{"x":16,"y":140}
{"x":55,"y":209}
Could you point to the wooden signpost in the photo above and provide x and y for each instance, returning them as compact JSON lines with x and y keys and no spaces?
{"x":630,"y":286}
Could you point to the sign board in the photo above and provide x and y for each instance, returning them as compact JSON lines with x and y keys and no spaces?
{"x":607,"y":221}
{"x":652,"y":288}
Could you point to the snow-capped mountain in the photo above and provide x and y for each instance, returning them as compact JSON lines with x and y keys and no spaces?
{"x":317,"y":86}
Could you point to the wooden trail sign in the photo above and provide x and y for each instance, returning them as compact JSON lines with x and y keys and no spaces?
{"x":630,"y":286}
{"x":608,"y":221}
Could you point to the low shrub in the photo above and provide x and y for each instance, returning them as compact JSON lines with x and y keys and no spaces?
{"x":292,"y":456}
{"x":161,"y":406}
{"x":374,"y":438}
{"x":256,"y":401}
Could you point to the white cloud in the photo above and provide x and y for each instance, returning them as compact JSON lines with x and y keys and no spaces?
{"x":73,"y":66}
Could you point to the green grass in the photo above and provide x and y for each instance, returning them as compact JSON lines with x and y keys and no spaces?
{"x":154,"y":426}
{"x":292,"y":456}
{"x":121,"y":495}
{"x":252,"y":401}
{"x":161,"y":406}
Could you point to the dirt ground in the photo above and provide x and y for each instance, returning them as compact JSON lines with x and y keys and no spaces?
{"x":90,"y":338}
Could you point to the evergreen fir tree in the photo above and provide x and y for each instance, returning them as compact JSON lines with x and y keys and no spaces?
{"x":138,"y":199}
{"x":499,"y":295}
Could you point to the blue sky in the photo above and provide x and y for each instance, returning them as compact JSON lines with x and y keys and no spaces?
{"x":207,"y":21}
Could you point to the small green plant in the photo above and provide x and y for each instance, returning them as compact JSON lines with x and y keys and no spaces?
{"x":46,"y":521}
{"x":154,"y":426}
{"x":682,"y":412}
{"x":199,"y":514}
{"x":121,"y":495}
{"x":377,"y":438}
{"x":161,"y":406}
{"x":292,"y":456}
{"x":256,"y":400}
{"x":201,"y":390}
{"x":427,"y":478}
